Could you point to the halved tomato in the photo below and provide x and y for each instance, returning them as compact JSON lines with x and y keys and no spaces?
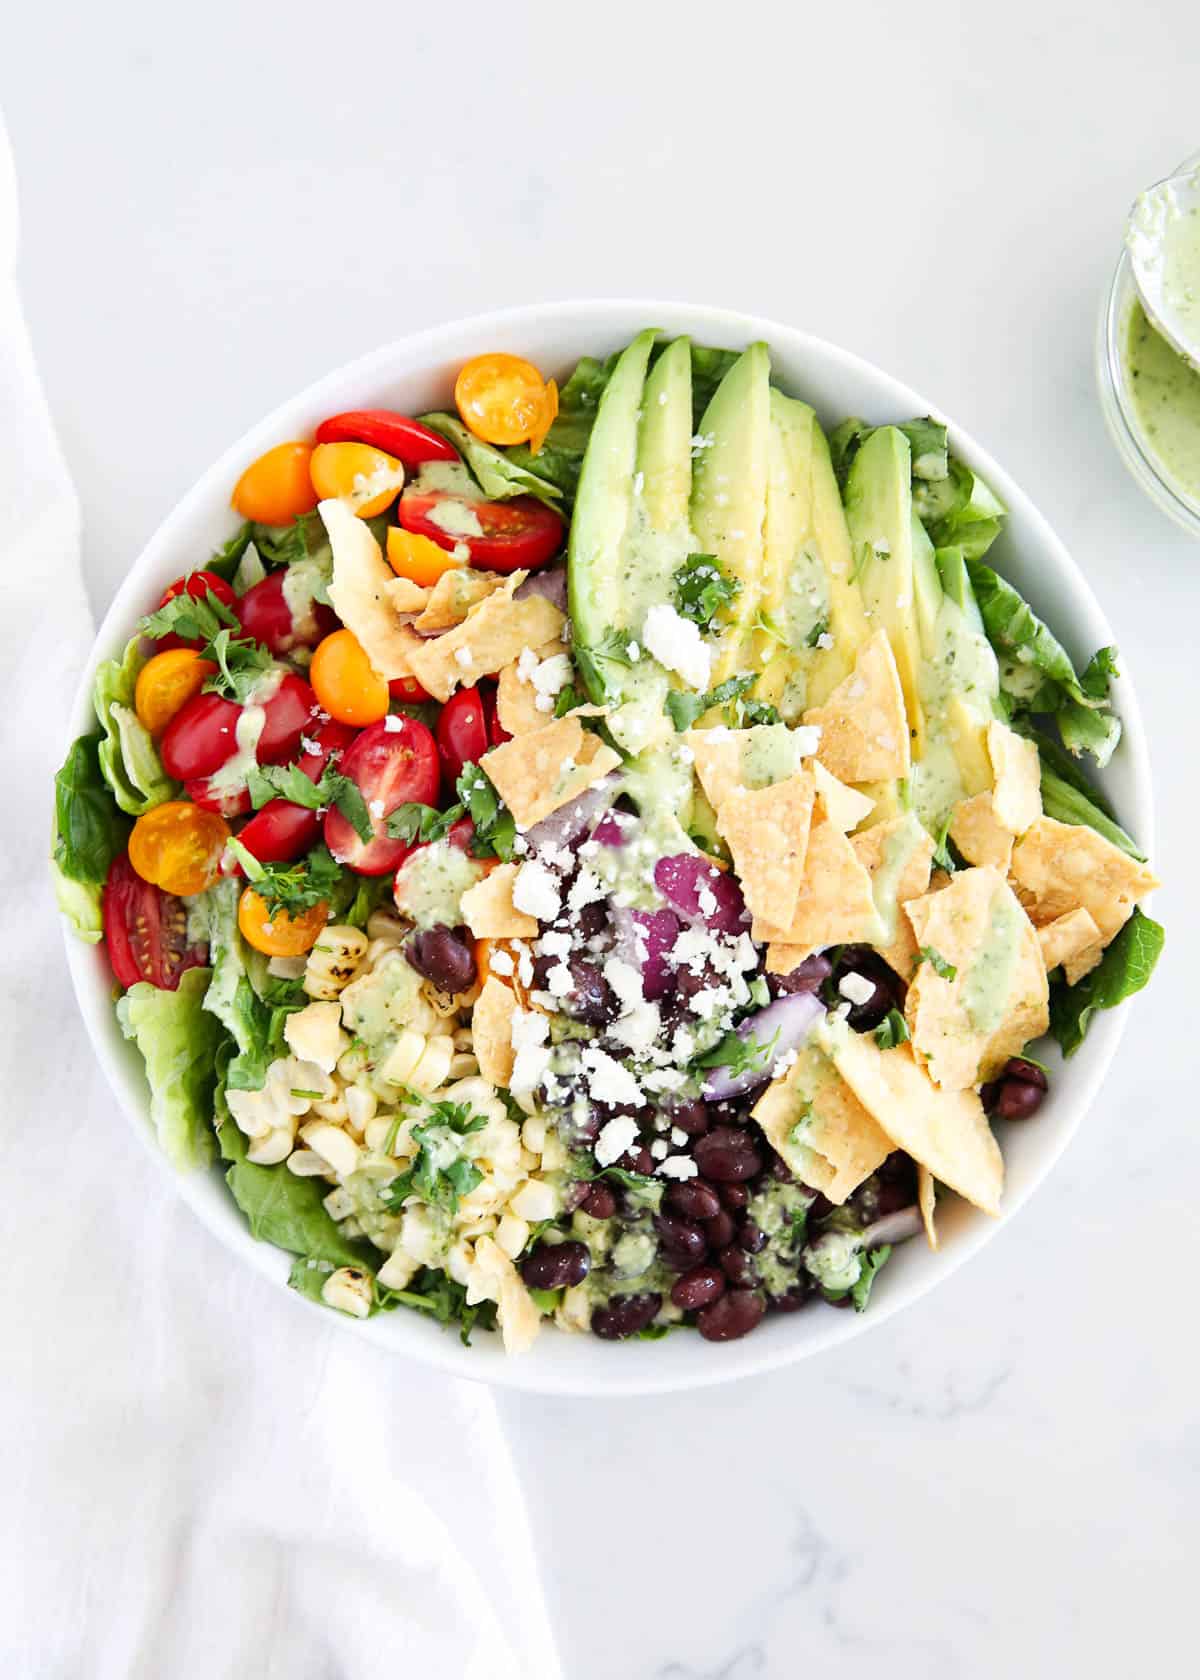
{"x":462,"y":733}
{"x":267,"y":617}
{"x":291,"y":711}
{"x":202,"y":736}
{"x":197,"y":585}
{"x":395,"y":434}
{"x":145,"y":930}
{"x":520,"y":535}
{"x":282,"y":831}
{"x":393,"y":762}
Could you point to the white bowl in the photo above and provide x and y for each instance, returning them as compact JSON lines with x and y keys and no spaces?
{"x":414,"y":375}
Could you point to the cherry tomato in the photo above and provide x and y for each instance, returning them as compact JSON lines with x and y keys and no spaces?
{"x":345,"y":682}
{"x":390,"y":767}
{"x":145,"y":930}
{"x":277,"y":488}
{"x":496,"y":732}
{"x":417,"y":558}
{"x":282,"y":831}
{"x":409,"y":690}
{"x":178,"y":846}
{"x":280,"y":935}
{"x":395,"y":434}
{"x":462,"y":734}
{"x":367,"y":478}
{"x":501,"y":398}
{"x":267,"y":617}
{"x":200,"y":737}
{"x":211,"y":793}
{"x":545,"y":419}
{"x":520,"y":535}
{"x":198,"y":585}
{"x":165,"y":683}
{"x":291,"y":711}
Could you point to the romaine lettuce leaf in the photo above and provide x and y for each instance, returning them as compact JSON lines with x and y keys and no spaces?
{"x":178,"y":1040}
{"x":1124,"y":969}
{"x":255,"y":1026}
{"x":499,"y":476}
{"x":127,"y":756}
{"x":81,"y":903}
{"x":927,"y":439}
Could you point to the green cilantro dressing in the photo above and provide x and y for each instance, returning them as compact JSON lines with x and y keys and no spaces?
{"x":770,"y":753}
{"x":431,"y":883}
{"x":885,"y":882}
{"x":304,"y":584}
{"x":1165,"y":395}
{"x":989,"y":979}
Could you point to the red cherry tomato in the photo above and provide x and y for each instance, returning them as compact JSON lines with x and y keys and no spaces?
{"x":496,"y":731}
{"x":145,"y":930}
{"x":409,"y":690}
{"x":520,"y":535}
{"x":282,"y":831}
{"x":390,"y":767}
{"x":395,"y":434}
{"x":209,"y":793}
{"x":462,"y":735}
{"x":197,"y":585}
{"x":267,"y":617}
{"x":291,"y":712}
{"x":200,"y":737}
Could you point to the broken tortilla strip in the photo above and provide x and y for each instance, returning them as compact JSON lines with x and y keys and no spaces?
{"x":516,"y":698}
{"x":1017,"y":769}
{"x":980,"y":835}
{"x":834,"y":905}
{"x":491,"y":636}
{"x":898,"y":856}
{"x":493,"y":1277}
{"x":819,"y":1127}
{"x":927,"y":1202}
{"x":359,"y":589}
{"x":489,"y":911}
{"x":405,"y":596}
{"x":846,"y":807}
{"x":946,"y":1131}
{"x":491,"y":1029}
{"x":767,"y":834}
{"x":534,"y":774}
{"x":1067,"y":937}
{"x":863,"y":723}
{"x":453,"y":596}
{"x":1058,"y":867}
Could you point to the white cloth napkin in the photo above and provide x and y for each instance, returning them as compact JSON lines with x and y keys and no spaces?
{"x":201,"y":1479}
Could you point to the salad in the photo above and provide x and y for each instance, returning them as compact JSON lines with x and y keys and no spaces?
{"x":601,"y":859}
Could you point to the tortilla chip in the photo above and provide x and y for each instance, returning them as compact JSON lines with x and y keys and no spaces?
{"x":516,"y":699}
{"x":845,"y":806}
{"x":493,"y":1277}
{"x":767,"y":834}
{"x":1066,"y":938}
{"x":453,"y":596}
{"x":965,"y":1024}
{"x":927,"y":1202}
{"x":814,"y":1120}
{"x":491,"y":636}
{"x":863,"y":724}
{"x":536,"y":773}
{"x":359,"y":592}
{"x":979,"y":834}
{"x":489,"y":911}
{"x":491,"y":1030}
{"x":946,"y":1131}
{"x":1058,"y":867}
{"x":834,"y":905}
{"x":717,"y":755}
{"x":897,"y":855}
{"x":405,"y":595}
{"x":1017,"y":794}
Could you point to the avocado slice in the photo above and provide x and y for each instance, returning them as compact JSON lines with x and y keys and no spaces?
{"x":665,"y":439}
{"x":729,"y":497}
{"x":879,"y":514}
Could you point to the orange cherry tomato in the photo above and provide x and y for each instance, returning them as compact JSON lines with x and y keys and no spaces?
{"x":367,"y":478}
{"x":501,"y":398}
{"x":165,"y":683}
{"x":546,"y":419}
{"x":280,"y":935}
{"x":418,"y":558}
{"x":277,"y":487}
{"x":345,"y":682}
{"x":178,"y":846}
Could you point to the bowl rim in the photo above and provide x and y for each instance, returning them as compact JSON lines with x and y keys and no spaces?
{"x":442,"y":1351}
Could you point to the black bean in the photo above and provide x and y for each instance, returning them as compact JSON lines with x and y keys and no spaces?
{"x":600,"y":1202}
{"x":888,"y":993}
{"x":735,"y":1197}
{"x":556,"y":1265}
{"x":693,"y":1200}
{"x":738,"y":1266}
{"x":736,"y":1313}
{"x":719,"y":1230}
{"x":1017,"y":1067}
{"x":690,"y":1117}
{"x":752,"y":1237}
{"x":638,"y":1160}
{"x":683,"y":1243}
{"x":441,"y":956}
{"x":591,"y":998}
{"x":590,"y":920}
{"x":780,"y":1171}
{"x":698,"y":1288}
{"x":1012,"y":1099}
{"x":576,"y":1194}
{"x":727,"y":1155}
{"x":799,"y":1295}
{"x":625,"y":1315}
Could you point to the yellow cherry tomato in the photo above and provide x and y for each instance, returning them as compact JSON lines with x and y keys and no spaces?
{"x":366,"y":478}
{"x":546,"y":419}
{"x":178,"y":846}
{"x":165,"y":682}
{"x":418,"y":558}
{"x":280,"y":935}
{"x":277,"y":487}
{"x":345,"y":682}
{"x":501,"y":398}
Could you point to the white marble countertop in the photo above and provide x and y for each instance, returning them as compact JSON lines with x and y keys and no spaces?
{"x":1005,"y":1478}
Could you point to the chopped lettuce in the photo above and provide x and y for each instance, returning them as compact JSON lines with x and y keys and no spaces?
{"x":959,"y":510}
{"x":254,"y":1024}
{"x":178,"y":1040}
{"x":927,"y":440}
{"x":81,"y":903}
{"x":127,"y":756}
{"x":499,"y":476}
{"x":1124,"y":969}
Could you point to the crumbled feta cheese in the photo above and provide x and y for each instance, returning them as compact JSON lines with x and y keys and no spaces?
{"x":393,"y":723}
{"x":633,"y":653}
{"x":543,"y":702}
{"x":527,"y":664}
{"x":678,"y":1166}
{"x":807,"y":738}
{"x":552,"y":675}
{"x":537,"y":891}
{"x":376,"y":809}
{"x":559,"y":981}
{"x":608,"y":1080}
{"x":615,"y":1138}
{"x":554,"y":944}
{"x":825,"y":641}
{"x":463,"y":657}
{"x":524,"y":963}
{"x":677,"y":645}
{"x":857,"y":988}
{"x":530,"y":1029}
{"x":659,"y":1149}
{"x":586,"y":888}
{"x":665,"y":1079}
{"x":500,"y":962}
{"x":308,"y":745}
{"x":678,"y":1136}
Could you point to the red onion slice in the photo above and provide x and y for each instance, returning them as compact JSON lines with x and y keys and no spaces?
{"x":893,"y":1227}
{"x":551,"y":585}
{"x":702,"y":894}
{"x":781,"y":1026}
{"x":572,"y":820}
{"x":645,"y":939}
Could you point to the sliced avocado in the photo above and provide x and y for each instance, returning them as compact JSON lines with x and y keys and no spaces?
{"x":927,"y":587}
{"x":729,"y":496}
{"x":879,"y":514}
{"x":956,"y":582}
{"x":603,"y":507}
{"x":665,"y":441}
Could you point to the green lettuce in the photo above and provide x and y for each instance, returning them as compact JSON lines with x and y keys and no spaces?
{"x":89,"y":830}
{"x":127,"y":756}
{"x":81,"y":903}
{"x":1124,"y":969}
{"x":499,"y":476}
{"x":927,"y":440}
{"x":178,"y":1041}
{"x":254,"y":1022}
{"x":960,"y":510}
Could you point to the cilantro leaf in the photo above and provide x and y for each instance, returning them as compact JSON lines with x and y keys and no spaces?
{"x":495,"y":826}
{"x":413,"y":822}
{"x":892,"y":1030}
{"x":683,"y":708}
{"x":568,"y":698}
{"x":290,"y":887}
{"x":194,"y":618}
{"x":438,"y":1176}
{"x":740,"y":1055}
{"x":288,"y":781}
{"x":873,"y":1262}
{"x":703,"y":588}
{"x":433,"y":1292}
{"x":938,"y":963}
{"x":611,"y":649}
{"x":241,"y":665}
{"x":819,"y":629}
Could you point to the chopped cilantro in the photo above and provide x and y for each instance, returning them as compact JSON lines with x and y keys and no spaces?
{"x":422,"y":822}
{"x":740,"y":1055}
{"x":290,"y":887}
{"x":943,"y":855}
{"x":312,"y":1096}
{"x":819,"y":629}
{"x":683,"y":708}
{"x":568,"y":699}
{"x":892,"y":1030}
{"x":241,"y":665}
{"x":288,"y":781}
{"x":194,"y":618}
{"x":702,"y":588}
{"x":495,"y":826}
{"x":431,"y":1291}
{"x":873,"y":1262}
{"x":937,"y":962}
{"x":797,"y":1228}
{"x":439,"y":1181}
{"x":611,"y":649}
{"x":757,"y":711}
